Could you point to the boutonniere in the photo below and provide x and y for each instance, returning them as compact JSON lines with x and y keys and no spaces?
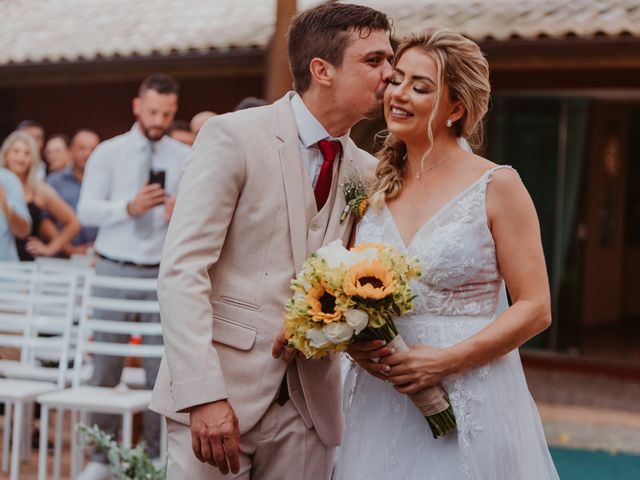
{"x":355,"y":196}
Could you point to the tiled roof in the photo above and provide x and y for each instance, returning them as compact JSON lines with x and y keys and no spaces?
{"x":508,"y":19}
{"x":58,"y":30}
{"x":73,"y":30}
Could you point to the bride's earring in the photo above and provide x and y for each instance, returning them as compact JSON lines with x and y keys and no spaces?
{"x":449,"y":123}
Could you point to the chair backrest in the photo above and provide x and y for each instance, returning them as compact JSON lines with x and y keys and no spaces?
{"x":15,"y":277}
{"x":97,"y":300}
{"x":34,"y":320}
{"x":81,"y":269}
{"x":76,"y":262}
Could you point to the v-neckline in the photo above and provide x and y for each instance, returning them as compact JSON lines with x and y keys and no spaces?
{"x":438,"y":212}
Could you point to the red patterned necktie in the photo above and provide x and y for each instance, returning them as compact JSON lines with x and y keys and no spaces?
{"x":329,"y":150}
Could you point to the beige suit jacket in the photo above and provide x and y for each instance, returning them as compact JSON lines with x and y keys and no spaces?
{"x":245,"y":220}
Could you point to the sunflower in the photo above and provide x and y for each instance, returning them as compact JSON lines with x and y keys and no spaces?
{"x":367,"y":245}
{"x":369,"y":279}
{"x":322,"y":304}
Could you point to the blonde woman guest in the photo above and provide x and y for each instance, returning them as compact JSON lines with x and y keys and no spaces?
{"x":474,"y":228}
{"x":19,"y":154}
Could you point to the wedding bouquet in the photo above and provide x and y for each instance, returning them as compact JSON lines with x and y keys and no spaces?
{"x":342,"y":295}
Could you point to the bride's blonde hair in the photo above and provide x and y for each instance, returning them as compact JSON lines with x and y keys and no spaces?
{"x":462,"y":67}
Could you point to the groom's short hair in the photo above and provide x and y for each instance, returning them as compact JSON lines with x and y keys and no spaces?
{"x":325,"y":32}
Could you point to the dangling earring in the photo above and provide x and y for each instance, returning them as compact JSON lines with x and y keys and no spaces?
{"x":449,"y":123}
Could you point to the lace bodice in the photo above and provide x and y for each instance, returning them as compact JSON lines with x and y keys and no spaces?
{"x":460,"y":274}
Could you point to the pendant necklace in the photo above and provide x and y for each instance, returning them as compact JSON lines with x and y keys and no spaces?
{"x":419,"y":174}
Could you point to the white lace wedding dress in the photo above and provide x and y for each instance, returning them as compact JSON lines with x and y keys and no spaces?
{"x":499,"y":435}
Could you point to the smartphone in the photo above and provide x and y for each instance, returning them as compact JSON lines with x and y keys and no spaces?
{"x":157,"y":176}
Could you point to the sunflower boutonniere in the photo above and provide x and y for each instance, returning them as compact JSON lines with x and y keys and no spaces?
{"x":356,"y":197}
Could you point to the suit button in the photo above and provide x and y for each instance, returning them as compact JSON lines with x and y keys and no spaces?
{"x":315,"y":227}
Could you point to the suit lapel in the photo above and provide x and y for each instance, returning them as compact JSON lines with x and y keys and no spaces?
{"x":292,"y":174}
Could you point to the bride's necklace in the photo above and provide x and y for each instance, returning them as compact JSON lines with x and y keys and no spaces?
{"x":421,"y":172}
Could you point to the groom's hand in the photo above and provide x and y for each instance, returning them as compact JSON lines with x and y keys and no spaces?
{"x":281,"y":349}
{"x":215,"y":436}
{"x":368,"y":355}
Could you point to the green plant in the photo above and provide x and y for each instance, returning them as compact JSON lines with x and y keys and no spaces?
{"x":125,"y":463}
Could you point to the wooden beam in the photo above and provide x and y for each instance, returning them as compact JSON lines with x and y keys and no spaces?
{"x":278,"y":77}
{"x":214,"y":64}
{"x":564,"y":54}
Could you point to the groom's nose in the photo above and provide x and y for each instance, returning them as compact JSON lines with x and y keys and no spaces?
{"x":387,"y":70}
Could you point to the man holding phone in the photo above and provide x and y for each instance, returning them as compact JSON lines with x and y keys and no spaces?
{"x":128,"y":192}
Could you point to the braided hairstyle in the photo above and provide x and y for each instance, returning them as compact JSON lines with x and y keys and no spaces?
{"x":462,"y":67}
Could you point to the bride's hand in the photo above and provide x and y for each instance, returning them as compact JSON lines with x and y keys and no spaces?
{"x":368,"y":355}
{"x":419,"y":367}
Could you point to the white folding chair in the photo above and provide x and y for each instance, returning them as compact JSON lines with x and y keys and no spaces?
{"x":81,"y":269}
{"x":22,"y":322}
{"x":133,"y":377}
{"x":84,"y":398}
{"x":15,"y":278}
{"x":19,"y":286}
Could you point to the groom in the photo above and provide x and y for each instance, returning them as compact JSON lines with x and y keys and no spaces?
{"x":259,"y":193}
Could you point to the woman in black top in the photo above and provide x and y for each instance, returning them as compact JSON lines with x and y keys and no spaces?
{"x":19,"y":154}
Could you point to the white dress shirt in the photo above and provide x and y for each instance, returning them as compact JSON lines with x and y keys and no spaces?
{"x":310,"y":132}
{"x":114,"y":174}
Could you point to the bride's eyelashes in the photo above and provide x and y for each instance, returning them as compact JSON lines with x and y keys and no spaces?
{"x":416,"y":88}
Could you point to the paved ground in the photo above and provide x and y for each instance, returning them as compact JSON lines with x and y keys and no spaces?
{"x":592,"y":423}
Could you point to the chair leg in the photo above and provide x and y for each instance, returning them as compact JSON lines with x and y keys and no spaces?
{"x":58,"y":445}
{"x":14,"y":474}
{"x":27,"y":422}
{"x":44,"y":434}
{"x":127,"y":429}
{"x":81,"y":417}
{"x":6,"y":437}
{"x":75,"y":468}
{"x":163,"y":440}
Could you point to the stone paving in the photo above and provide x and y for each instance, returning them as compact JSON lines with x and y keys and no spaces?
{"x":586,"y":411}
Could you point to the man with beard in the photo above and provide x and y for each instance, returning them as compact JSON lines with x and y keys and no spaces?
{"x":128,"y":192}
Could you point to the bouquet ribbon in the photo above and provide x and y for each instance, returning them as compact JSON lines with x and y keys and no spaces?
{"x":431,"y":400}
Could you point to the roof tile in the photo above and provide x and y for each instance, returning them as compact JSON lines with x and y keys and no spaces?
{"x":53,"y":30}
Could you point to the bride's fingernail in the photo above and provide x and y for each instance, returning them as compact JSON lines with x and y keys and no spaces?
{"x":386,"y":368}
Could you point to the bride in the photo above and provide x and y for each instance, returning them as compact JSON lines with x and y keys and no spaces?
{"x":474,"y":229}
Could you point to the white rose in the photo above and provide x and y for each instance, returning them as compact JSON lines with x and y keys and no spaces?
{"x":338,"y":332}
{"x":357,"y":319}
{"x":317,"y":338}
{"x":334,"y":254}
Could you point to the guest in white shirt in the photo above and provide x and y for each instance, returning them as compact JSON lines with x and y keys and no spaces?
{"x":128,"y":191}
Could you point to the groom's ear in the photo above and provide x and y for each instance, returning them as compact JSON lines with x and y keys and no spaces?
{"x":322,"y":72}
